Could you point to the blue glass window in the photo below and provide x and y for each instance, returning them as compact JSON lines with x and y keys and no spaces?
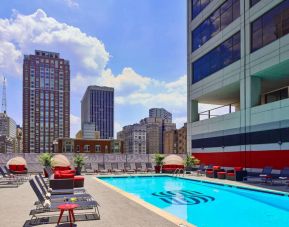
{"x":254,"y":2}
{"x":216,"y":22}
{"x":198,"y":6}
{"x":270,"y":26}
{"x":221,"y":56}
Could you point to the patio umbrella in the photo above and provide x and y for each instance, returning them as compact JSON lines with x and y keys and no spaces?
{"x":173,"y":160}
{"x":60,"y":160}
{"x":16,"y":161}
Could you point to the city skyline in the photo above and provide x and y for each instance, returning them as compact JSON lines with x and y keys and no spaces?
{"x":143,"y":78}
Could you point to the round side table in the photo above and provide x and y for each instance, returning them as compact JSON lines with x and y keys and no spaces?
{"x":67,"y":207}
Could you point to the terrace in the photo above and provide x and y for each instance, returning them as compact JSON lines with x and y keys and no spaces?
{"x":117,"y":208}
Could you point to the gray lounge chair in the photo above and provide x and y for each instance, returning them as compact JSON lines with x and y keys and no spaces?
{"x":115,"y":168}
{"x":101,"y":169}
{"x":128,"y":168}
{"x":149,"y":167}
{"x":45,"y":205}
{"x":284,"y":174}
{"x":58,"y":197}
{"x":139,"y":167}
{"x":88,"y":169}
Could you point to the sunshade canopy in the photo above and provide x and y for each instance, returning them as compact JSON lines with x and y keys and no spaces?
{"x":173,"y":160}
{"x":60,"y":160}
{"x":17,"y":161}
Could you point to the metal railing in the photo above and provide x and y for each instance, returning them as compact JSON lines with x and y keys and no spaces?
{"x":230,"y":108}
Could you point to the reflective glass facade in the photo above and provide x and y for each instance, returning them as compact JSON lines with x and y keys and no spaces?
{"x":254,"y":2}
{"x":216,"y":22}
{"x":270,"y":26}
{"x":218,"y":58}
{"x":198,"y":6}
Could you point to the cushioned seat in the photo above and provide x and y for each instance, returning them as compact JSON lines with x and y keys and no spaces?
{"x":236,"y":174}
{"x":78,"y":181}
{"x":210,"y":173}
{"x":221,"y":175}
{"x":171,"y":168}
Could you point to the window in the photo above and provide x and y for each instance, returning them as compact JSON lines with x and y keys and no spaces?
{"x":254,"y":2}
{"x":218,"y":58}
{"x":270,"y":26}
{"x":97,"y":148}
{"x":276,"y":95}
{"x":216,"y":22}
{"x":198,"y":6}
{"x":86,"y":148}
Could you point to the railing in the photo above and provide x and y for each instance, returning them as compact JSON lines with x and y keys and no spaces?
{"x":218,"y":111}
{"x":177,"y":172}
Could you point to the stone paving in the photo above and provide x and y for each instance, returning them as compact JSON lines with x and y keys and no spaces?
{"x":115,"y":209}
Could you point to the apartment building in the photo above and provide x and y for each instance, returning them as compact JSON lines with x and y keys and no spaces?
{"x":238,"y":58}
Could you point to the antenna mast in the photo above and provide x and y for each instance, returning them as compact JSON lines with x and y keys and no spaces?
{"x":4,"y":100}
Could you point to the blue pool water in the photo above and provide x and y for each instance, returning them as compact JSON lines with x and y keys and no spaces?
{"x":208,"y":205}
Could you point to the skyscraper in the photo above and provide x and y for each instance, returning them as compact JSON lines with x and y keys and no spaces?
{"x":46,"y":100}
{"x":160,"y":113}
{"x":97,"y":106}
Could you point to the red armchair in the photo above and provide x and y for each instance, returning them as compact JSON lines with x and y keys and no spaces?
{"x":236,"y":174}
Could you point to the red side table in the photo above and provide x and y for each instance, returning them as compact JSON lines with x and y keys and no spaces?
{"x":69,"y":207}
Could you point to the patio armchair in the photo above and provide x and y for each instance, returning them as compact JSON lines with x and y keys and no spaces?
{"x":236,"y":174}
{"x":213,"y":173}
{"x":284,"y":175}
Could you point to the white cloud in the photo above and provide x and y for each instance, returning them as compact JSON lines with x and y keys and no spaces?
{"x":21,"y":34}
{"x":72,"y":3}
{"x":75,"y":124}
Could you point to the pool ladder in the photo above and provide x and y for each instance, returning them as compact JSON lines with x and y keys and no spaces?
{"x":177,"y":172}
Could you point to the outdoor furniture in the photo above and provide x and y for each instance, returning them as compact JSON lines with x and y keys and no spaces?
{"x":101,"y":168}
{"x":88,"y":169}
{"x":139,"y":167}
{"x":201,"y":170}
{"x":128,"y":168}
{"x":266,"y":174}
{"x":115,"y":169}
{"x":236,"y":174}
{"x":46,"y":205}
{"x":172,"y":168}
{"x":69,"y":208}
{"x":221,"y":175}
{"x":284,"y":174}
{"x":78,"y":181}
{"x":149,"y":167}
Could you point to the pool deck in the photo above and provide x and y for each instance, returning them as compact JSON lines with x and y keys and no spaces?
{"x":116,"y":209}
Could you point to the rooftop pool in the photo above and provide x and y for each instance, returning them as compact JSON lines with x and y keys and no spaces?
{"x":207,"y":204}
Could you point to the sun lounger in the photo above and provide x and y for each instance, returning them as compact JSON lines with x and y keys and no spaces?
{"x":115,"y":168}
{"x":149,"y":167}
{"x":45,"y":205}
{"x":139,"y":168}
{"x":88,"y":169}
{"x":284,"y":175}
{"x":128,"y":168}
{"x":101,"y":169}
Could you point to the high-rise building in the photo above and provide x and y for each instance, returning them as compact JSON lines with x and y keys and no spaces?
{"x":175,"y":141}
{"x":160,"y":113}
{"x":97,"y":107}
{"x":155,"y":128}
{"x":19,"y":140}
{"x":7,"y":126}
{"x":46,"y":100}
{"x":134,"y":139}
{"x":238,"y":59}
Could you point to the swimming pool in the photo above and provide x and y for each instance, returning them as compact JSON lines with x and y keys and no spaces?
{"x":208,"y":205}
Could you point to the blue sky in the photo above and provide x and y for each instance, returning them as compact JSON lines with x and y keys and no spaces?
{"x":138,"y":47}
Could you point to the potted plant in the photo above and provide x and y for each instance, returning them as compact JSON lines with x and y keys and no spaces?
{"x":189,"y":162}
{"x":45,"y":160}
{"x":159,"y":160}
{"x":79,"y":163}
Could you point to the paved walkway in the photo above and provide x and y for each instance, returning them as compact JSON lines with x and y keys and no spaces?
{"x":115,"y":209}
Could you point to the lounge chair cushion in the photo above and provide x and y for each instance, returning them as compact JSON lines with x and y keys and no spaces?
{"x":231,"y":174}
{"x":61,"y":168}
{"x":78,"y":181}
{"x":216,"y":167}
{"x":221,"y":173}
{"x":60,"y":175}
{"x":47,"y":203}
{"x":238,"y":168}
{"x":78,"y":178}
{"x":13,"y":167}
{"x":67,"y":171}
{"x":209,"y":171}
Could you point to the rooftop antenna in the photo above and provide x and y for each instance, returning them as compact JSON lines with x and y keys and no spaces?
{"x":4,"y":101}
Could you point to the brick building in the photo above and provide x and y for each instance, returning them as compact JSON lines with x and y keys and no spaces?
{"x":46,"y":100}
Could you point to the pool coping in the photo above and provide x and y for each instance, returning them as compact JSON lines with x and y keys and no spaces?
{"x":170,"y":217}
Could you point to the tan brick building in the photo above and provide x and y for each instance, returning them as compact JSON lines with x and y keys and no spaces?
{"x":175,"y":141}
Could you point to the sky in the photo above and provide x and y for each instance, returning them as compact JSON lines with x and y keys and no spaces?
{"x":137,"y":47}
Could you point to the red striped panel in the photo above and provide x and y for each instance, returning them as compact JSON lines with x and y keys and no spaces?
{"x":278,"y":159}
